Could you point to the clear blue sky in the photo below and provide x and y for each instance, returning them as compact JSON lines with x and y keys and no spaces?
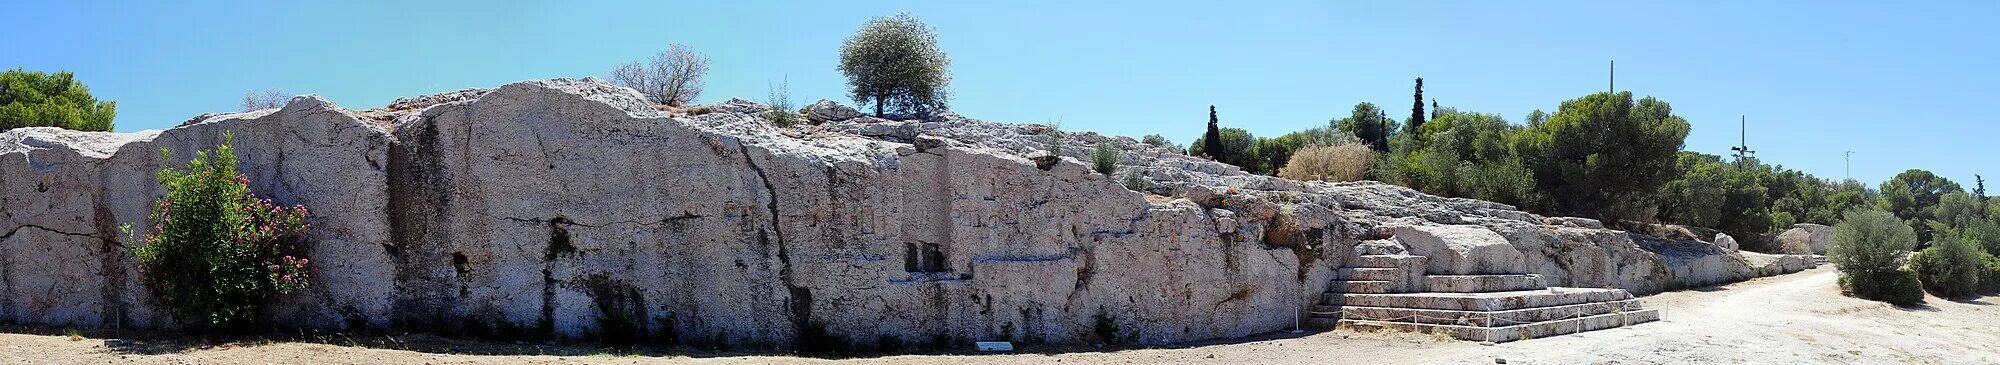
{"x":1900,"y":83}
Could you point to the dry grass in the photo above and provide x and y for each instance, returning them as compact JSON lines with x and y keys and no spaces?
{"x":1341,"y":162}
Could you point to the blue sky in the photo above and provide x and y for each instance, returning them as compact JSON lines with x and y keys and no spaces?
{"x":1899,"y":83}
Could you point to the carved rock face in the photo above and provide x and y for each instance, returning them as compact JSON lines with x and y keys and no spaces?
{"x":551,"y":206}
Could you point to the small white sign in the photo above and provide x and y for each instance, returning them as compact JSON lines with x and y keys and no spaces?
{"x":990,"y":346}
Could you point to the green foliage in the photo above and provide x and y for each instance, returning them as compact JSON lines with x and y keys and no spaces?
{"x":1368,"y":123}
{"x":1950,"y":268}
{"x":1136,"y":181}
{"x":780,"y":107}
{"x":1463,"y":154}
{"x":894,"y":63}
{"x":1899,"y":287}
{"x":1600,"y":155}
{"x":1238,"y":148}
{"x":1105,"y":159}
{"x":1912,"y":196}
{"x":1416,"y":121}
{"x":217,"y":254}
{"x":1695,"y":198}
{"x":1157,"y":141}
{"x":1989,"y":274}
{"x":1955,"y":211}
{"x":37,"y":99}
{"x":1053,"y":139}
{"x":1870,"y":242}
{"x":1211,"y":139}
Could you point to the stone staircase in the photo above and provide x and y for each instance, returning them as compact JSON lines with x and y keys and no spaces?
{"x":1391,"y":291}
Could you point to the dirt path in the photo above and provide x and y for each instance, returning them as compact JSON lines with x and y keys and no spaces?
{"x":1797,"y":318}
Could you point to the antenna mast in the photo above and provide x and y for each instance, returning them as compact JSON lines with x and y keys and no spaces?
{"x":1850,"y":164}
{"x":1614,"y":76}
{"x":1743,"y":143}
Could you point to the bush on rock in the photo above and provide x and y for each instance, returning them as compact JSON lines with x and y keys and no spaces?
{"x":215,"y":254}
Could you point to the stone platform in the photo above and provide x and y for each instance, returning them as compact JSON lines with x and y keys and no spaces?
{"x":1389,"y":292}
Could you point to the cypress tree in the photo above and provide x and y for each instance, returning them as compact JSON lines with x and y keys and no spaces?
{"x":1434,"y":108}
{"x":1417,"y":111}
{"x":1211,"y":142}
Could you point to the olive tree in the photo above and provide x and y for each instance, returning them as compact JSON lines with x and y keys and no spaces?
{"x":672,"y":77}
{"x":1868,"y":248}
{"x":894,"y":63}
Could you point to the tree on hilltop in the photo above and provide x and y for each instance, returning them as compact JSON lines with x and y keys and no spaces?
{"x":894,"y":63}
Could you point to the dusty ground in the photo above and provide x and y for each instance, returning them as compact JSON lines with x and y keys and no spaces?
{"x":1798,"y":318}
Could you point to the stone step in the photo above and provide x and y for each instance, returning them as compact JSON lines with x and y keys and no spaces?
{"x":1475,"y":318}
{"x":1390,"y":261}
{"x":1514,"y":332}
{"x":1482,"y":283}
{"x":1368,"y":273}
{"x":1358,"y":286}
{"x":1493,"y":301}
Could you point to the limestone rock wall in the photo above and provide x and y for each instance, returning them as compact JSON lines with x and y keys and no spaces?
{"x":553,"y":206}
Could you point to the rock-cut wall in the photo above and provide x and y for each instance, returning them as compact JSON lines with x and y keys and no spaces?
{"x":552,"y":206}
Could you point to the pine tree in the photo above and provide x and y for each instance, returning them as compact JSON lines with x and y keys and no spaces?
{"x":1211,"y":145}
{"x":1417,"y":111}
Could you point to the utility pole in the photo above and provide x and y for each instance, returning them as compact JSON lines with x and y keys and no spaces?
{"x":1850,"y":164}
{"x":1743,"y":144}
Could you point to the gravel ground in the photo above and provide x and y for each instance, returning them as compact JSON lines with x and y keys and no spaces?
{"x":1797,"y":318}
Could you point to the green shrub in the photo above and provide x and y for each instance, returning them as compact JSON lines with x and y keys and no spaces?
{"x":1105,"y":159}
{"x":1053,"y":141}
{"x":38,"y":99}
{"x":1239,"y":148}
{"x":1899,"y":287}
{"x":779,"y":111}
{"x":1867,"y":248}
{"x":1950,"y":268}
{"x":217,"y":254}
{"x":1989,"y":274}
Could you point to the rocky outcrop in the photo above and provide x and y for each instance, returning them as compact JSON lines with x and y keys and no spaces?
{"x":1805,"y":239}
{"x":553,"y":206}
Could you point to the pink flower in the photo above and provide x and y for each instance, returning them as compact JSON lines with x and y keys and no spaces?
{"x":288,"y":277}
{"x":302,"y":262}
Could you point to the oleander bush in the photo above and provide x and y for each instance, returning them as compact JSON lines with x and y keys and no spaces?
{"x":215,"y":254}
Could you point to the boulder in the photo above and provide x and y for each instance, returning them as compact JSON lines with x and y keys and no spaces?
{"x":829,"y":111}
{"x":1461,"y":250}
{"x":1805,"y":239}
{"x":1726,"y":242}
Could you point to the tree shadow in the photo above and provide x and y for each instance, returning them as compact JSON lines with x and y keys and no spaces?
{"x":1918,"y":307}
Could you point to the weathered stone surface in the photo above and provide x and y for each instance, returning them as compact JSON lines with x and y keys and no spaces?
{"x":547,"y":205}
{"x":829,"y":111}
{"x":1726,"y":242}
{"x":1805,"y":239}
{"x":1461,"y":250}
